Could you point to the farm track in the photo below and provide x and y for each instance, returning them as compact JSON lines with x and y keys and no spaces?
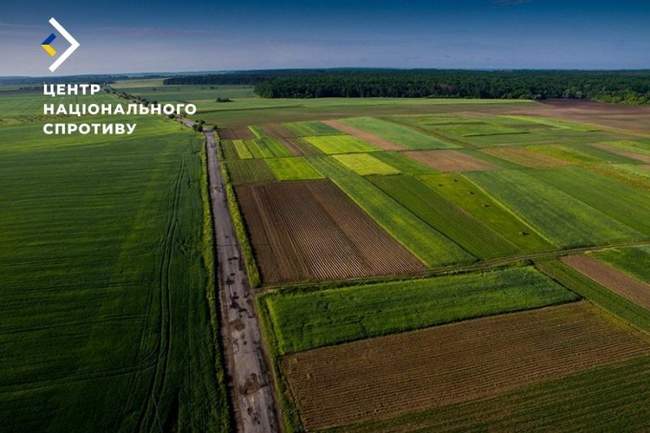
{"x":246,"y":364}
{"x":384,"y":377}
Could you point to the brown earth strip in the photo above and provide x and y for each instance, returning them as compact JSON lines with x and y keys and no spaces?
{"x":277,"y":130}
{"x":368,"y":137}
{"x":383,"y":377}
{"x":304,"y":231}
{"x":622,"y":152}
{"x":612,"y":278}
{"x":241,"y":133}
{"x":525,"y":157}
{"x":449,"y":160}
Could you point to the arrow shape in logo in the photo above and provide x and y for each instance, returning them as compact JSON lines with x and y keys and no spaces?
{"x":52,"y":52}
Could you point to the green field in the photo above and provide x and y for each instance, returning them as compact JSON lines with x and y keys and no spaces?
{"x":105,"y":268}
{"x":303,"y":321}
{"x":403,"y":163}
{"x":427,"y":244}
{"x":483,"y":130}
{"x":470,"y":233}
{"x":304,"y":129}
{"x":558,"y":217}
{"x":249,"y":171}
{"x":294,"y":168}
{"x":623,"y":203}
{"x":474,"y":201}
{"x":333,"y":144}
{"x":632,"y":260}
{"x":365,"y":164}
{"x":399,"y":134}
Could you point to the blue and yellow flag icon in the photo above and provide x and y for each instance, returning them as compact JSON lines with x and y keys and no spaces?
{"x":47,"y":47}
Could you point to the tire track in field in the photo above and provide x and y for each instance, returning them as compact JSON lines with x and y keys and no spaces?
{"x":150,"y":416}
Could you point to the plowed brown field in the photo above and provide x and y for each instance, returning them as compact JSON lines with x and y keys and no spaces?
{"x":449,"y":160}
{"x":368,"y":137}
{"x":279,"y":132}
{"x":242,"y":133}
{"x":311,"y":231}
{"x":388,"y":376}
{"x":612,"y":278}
{"x":525,"y":157}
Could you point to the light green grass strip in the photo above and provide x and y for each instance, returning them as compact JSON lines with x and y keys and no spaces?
{"x":332,"y":144}
{"x":399,"y":134}
{"x":297,"y":168}
{"x":242,"y":149}
{"x":365,"y":164}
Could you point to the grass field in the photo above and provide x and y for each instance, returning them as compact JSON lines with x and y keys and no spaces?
{"x":303,"y":321}
{"x":478,"y":204}
{"x":294,"y":168}
{"x":398,"y":134}
{"x":333,"y":144}
{"x":623,"y":203}
{"x":365,"y":164}
{"x":105,"y":271}
{"x":470,"y":233}
{"x":562,"y":219}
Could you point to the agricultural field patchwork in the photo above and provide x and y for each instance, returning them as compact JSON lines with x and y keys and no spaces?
{"x":398,"y":134}
{"x":303,"y":321}
{"x":304,"y":231}
{"x":463,"y":362}
{"x":475,"y":237}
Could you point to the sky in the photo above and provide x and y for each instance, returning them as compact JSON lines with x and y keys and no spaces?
{"x":122,"y":36}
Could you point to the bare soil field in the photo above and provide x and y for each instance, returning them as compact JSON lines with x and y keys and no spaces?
{"x":525,"y":157}
{"x":286,"y":137}
{"x":384,"y":377}
{"x":612,"y":278}
{"x":618,"y":116}
{"x":623,"y":152}
{"x":311,"y":231}
{"x":449,"y":160}
{"x":241,"y":133}
{"x":368,"y":137}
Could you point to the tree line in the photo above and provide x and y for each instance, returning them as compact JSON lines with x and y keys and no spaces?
{"x":631,"y":87}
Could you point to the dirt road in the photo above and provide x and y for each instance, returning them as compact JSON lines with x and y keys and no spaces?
{"x":252,"y":389}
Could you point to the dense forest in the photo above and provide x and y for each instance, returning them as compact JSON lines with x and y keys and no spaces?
{"x":631,"y":87}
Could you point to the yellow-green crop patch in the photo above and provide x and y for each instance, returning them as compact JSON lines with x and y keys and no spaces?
{"x":333,"y":144}
{"x":365,"y":164}
{"x":293,"y":168}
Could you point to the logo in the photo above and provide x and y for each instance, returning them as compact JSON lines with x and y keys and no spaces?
{"x":51,"y":51}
